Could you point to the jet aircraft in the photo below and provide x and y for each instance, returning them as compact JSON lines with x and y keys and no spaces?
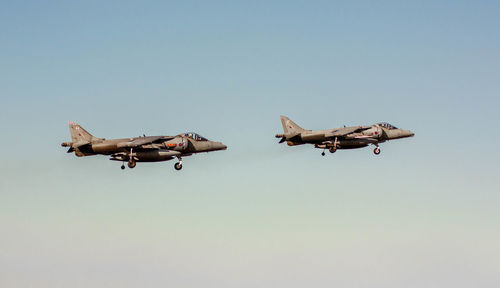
{"x":341,"y":138}
{"x":140,"y":149}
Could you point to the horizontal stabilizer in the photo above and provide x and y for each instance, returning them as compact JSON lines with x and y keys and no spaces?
{"x":282,"y":136}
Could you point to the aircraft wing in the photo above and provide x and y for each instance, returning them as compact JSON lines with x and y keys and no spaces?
{"x":135,"y":142}
{"x":124,"y":156}
{"x":339,"y":132}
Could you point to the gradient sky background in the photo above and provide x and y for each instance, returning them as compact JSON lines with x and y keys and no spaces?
{"x":424,"y":213}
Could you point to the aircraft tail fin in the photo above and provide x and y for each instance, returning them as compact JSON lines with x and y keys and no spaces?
{"x":289,"y":127}
{"x":79,"y":135}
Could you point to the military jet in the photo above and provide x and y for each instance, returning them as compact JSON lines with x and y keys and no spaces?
{"x":139,"y":149}
{"x":341,"y":138}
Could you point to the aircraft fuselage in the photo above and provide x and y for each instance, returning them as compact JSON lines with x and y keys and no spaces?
{"x":341,"y":138}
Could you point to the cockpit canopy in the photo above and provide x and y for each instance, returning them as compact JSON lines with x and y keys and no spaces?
{"x":387,"y":125}
{"x":195,"y":136}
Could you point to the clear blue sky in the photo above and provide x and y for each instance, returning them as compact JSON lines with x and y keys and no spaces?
{"x":424,"y":213}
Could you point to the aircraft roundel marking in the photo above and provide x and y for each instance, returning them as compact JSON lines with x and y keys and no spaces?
{"x":290,"y":127}
{"x":80,"y":134}
{"x":180,"y":144}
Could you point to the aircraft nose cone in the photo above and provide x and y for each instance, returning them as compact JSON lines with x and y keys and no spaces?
{"x":406,"y":133}
{"x":219,"y":146}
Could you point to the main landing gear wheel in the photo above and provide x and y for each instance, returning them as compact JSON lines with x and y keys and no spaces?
{"x":376,"y":151}
{"x":332,"y":149}
{"x":123,"y":167}
{"x":323,"y":153}
{"x":131,"y":164}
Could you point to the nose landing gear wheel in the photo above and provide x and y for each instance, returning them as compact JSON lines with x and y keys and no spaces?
{"x":178,"y":166}
{"x":376,"y":151}
{"x":131,"y":164}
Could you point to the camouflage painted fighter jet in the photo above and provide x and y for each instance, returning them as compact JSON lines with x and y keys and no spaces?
{"x":140,"y":149}
{"x":341,"y":138}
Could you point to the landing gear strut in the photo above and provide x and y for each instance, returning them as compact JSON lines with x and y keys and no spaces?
{"x":178,"y":165}
{"x":332,"y":149}
{"x":131,"y":162}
